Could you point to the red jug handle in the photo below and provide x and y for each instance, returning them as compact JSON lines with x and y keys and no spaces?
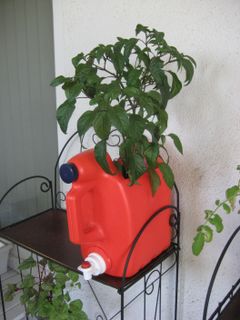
{"x":81,"y":216}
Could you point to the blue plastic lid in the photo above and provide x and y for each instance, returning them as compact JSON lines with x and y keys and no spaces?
{"x":68,"y":172}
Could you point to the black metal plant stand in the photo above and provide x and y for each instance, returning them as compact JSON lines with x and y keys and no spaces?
{"x":229,"y":307}
{"x":49,"y":239}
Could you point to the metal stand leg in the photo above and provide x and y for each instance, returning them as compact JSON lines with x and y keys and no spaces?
{"x":98,"y":302}
{"x":159,"y":296}
{"x":122,"y":304}
{"x":2,"y":300}
{"x":176,"y":289}
{"x":19,"y":261}
{"x":145,"y":298}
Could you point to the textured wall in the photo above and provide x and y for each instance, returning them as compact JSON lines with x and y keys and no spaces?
{"x":205,"y":114}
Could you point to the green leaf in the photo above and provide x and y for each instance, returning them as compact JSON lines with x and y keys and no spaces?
{"x":56,"y":267}
{"x":151,"y":154}
{"x":72,"y":89}
{"x":100,"y":152}
{"x":76,"y":305}
{"x":216,"y":220}
{"x":154,"y":180}
{"x":187,"y":65}
{"x":47,"y":286}
{"x":8,"y":296}
{"x":162,"y":121}
{"x":131,"y":92}
{"x":101,"y":124}
{"x":217,"y":202}
{"x":61,"y":278}
{"x":231,"y":194}
{"x":117,"y":58}
{"x":98,"y":52}
{"x":73,"y":276}
{"x":156,"y":66}
{"x":133,"y":76}
{"x":155,"y":95}
{"x":177,"y":142}
{"x":82,"y":316}
{"x":58,"y":80}
{"x":147,"y":104}
{"x":208,"y":213}
{"x":27,"y":264}
{"x":136,"y":126}
{"x":11,"y":287}
{"x":85,"y":122}
{"x":64,"y":113}
{"x":77,"y":59}
{"x":129,"y":45}
{"x":11,"y":290}
{"x":191,"y":59}
{"x":28,"y":281}
{"x":67,"y":297}
{"x":136,"y":167}
{"x":208,"y":233}
{"x":198,"y":243}
{"x":119,"y":119}
{"x":167,"y":174}
{"x":141,"y":28}
{"x":227,"y":208}
{"x":160,"y":78}
{"x":112,"y":90}
{"x":142,"y":56}
{"x":176,"y":85}
{"x":125,"y":151}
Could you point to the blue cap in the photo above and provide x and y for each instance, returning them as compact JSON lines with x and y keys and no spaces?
{"x":68,"y":172}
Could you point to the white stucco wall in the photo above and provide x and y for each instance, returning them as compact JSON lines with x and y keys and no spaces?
{"x":205,"y":115}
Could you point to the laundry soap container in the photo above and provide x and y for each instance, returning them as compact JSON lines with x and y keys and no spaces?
{"x":105,"y":214}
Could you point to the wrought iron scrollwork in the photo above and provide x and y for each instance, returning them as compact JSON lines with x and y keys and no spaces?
{"x":149,"y":284}
{"x":45,"y":186}
{"x":114,"y":135}
{"x":174,"y":223}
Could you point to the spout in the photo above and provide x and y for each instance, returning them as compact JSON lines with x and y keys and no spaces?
{"x":93,"y":265}
{"x":68,"y":172}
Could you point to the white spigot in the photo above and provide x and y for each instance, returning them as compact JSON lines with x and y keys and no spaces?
{"x":93,"y":265}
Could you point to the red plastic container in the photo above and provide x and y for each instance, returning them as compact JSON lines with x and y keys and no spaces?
{"x":105,"y":214}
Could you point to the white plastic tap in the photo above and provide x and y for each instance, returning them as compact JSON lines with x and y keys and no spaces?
{"x":93,"y":265}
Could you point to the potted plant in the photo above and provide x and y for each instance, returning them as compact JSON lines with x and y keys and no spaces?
{"x":204,"y":232}
{"x":46,"y":296}
{"x":128,"y":85}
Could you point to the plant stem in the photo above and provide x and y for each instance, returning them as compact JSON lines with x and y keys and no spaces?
{"x":170,"y":61}
{"x":218,"y":207}
{"x":104,"y":69}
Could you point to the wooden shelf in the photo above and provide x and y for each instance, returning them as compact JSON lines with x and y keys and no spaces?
{"x":46,"y":234}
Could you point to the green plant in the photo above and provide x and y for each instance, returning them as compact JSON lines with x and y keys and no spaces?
{"x":212,"y":218}
{"x":46,"y":296}
{"x":128,"y":85}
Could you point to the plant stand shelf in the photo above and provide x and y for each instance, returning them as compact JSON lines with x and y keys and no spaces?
{"x":46,"y":234}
